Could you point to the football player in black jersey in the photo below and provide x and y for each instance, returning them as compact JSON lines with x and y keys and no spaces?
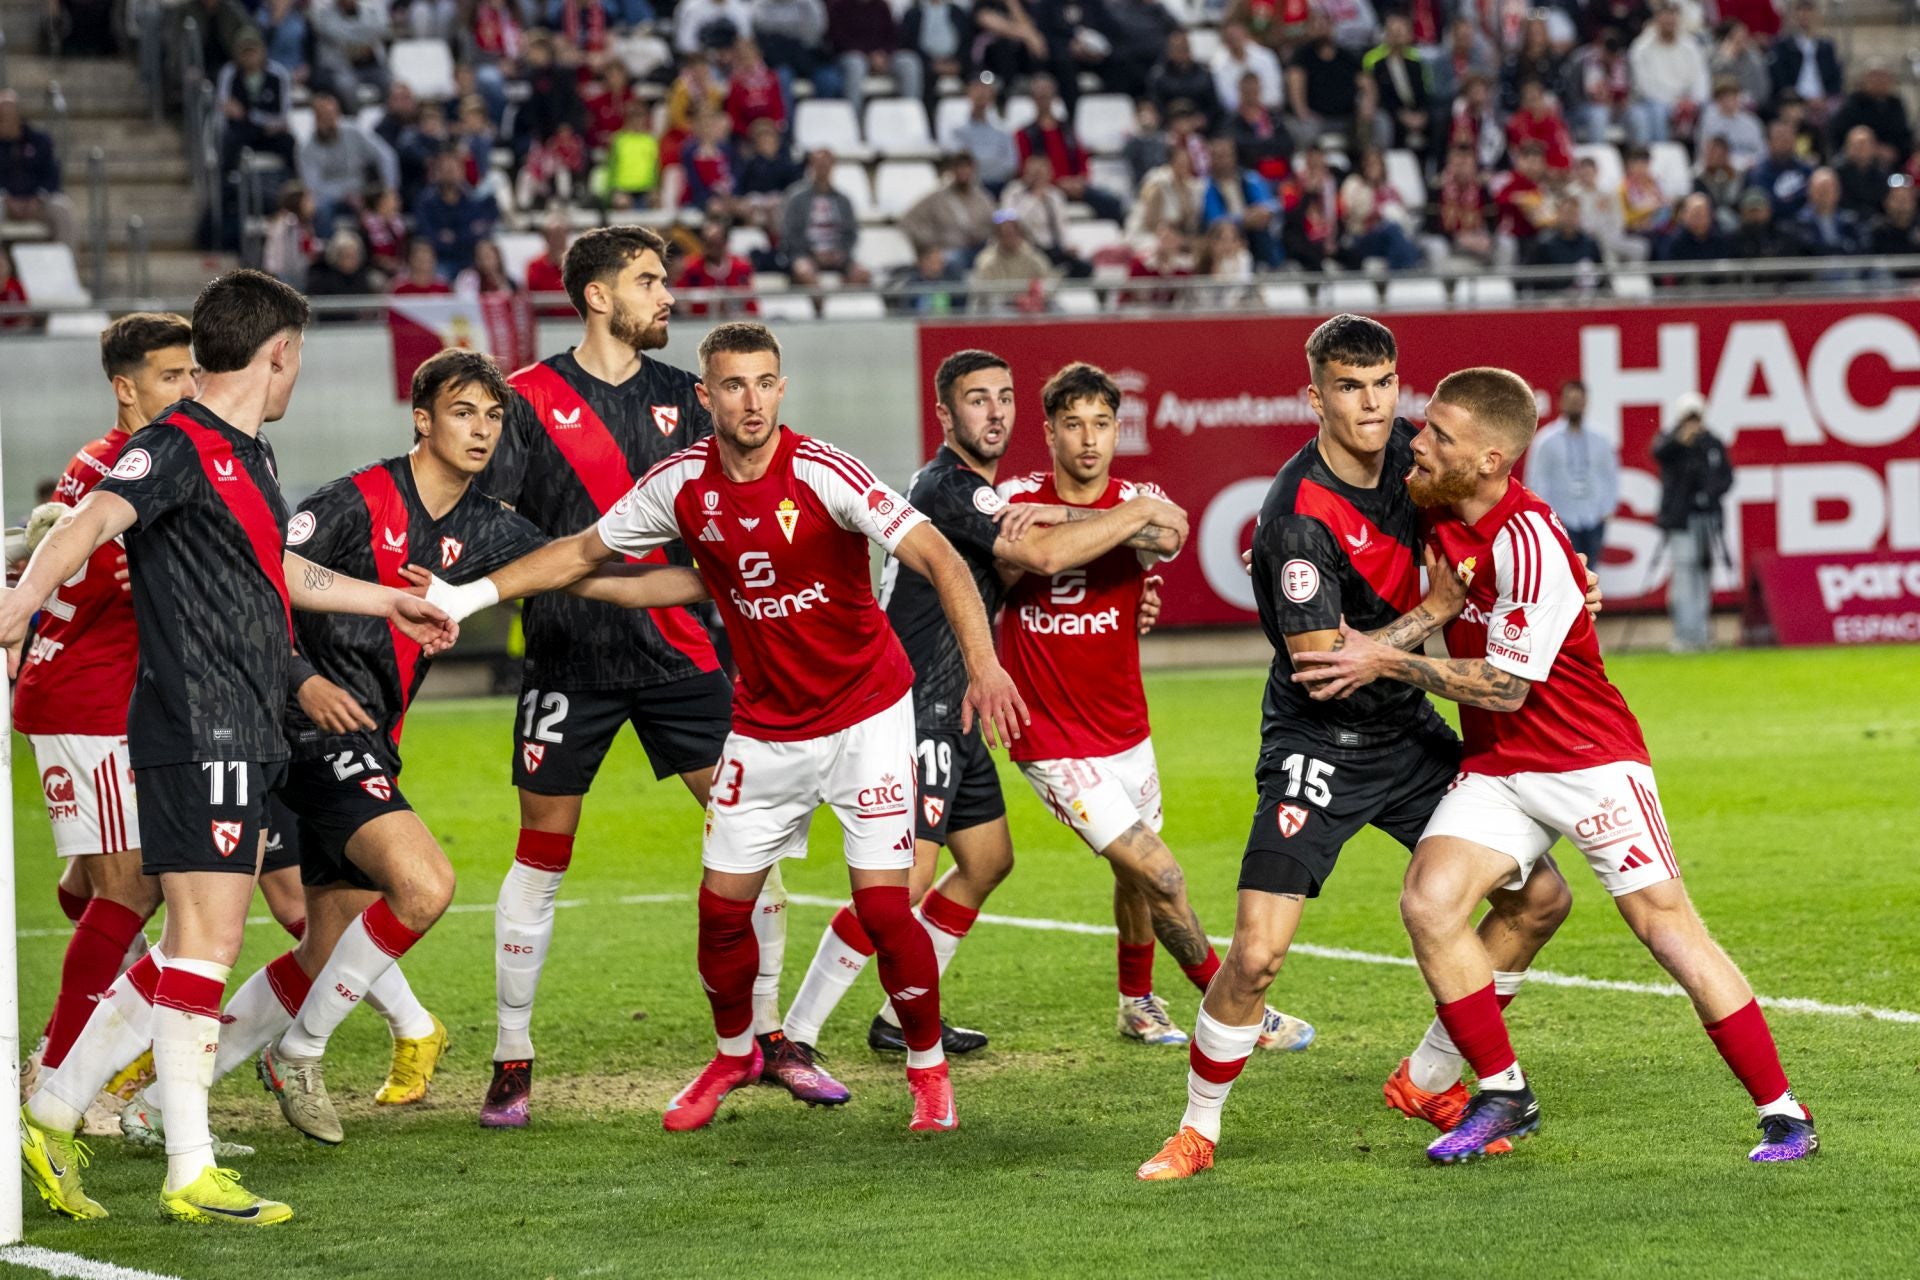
{"x":583,"y":426}
{"x":214,"y":589}
{"x":960,"y":804}
{"x":1339,"y":537}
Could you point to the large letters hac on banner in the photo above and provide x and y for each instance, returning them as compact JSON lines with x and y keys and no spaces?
{"x":1819,"y":402}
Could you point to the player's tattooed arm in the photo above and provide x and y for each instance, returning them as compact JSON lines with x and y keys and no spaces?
{"x":319,"y":589}
{"x":317,"y":577}
{"x":1357,"y":659}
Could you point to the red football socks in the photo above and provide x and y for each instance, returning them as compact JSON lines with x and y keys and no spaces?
{"x":544,"y":850}
{"x":1745,"y":1041}
{"x":909,"y":973}
{"x":729,"y":958}
{"x":1136,"y":969}
{"x":100,"y":940}
{"x":1477,"y":1029}
{"x":1201,"y":974}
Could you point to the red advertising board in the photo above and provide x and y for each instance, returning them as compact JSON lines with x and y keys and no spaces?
{"x":1841,"y":599}
{"x":1819,"y":403}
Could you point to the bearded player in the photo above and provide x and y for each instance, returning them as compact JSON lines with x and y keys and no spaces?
{"x":1552,"y":752}
{"x":583,"y":426}
{"x":779,"y":526}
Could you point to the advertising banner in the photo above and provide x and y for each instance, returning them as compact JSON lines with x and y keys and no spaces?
{"x":1839,"y":599}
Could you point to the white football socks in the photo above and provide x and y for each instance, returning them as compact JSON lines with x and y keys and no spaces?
{"x":366,"y":950}
{"x":522,"y":934}
{"x":118,"y":1031}
{"x":391,"y":996}
{"x":833,"y":971}
{"x":1436,"y":1065}
{"x":1223,"y":1044}
{"x":770,"y":931}
{"x":185,"y":1046}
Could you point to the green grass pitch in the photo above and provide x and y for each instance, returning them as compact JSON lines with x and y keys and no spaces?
{"x":1789,"y":784}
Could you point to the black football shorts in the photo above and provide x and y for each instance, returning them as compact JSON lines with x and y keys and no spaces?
{"x":330,"y":799}
{"x":959,"y":785}
{"x":283,"y":839}
{"x":1316,"y":794}
{"x":204,"y":816}
{"x":561,"y":736}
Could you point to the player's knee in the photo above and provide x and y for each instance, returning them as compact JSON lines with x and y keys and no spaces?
{"x":1253,"y":966}
{"x":1426,"y":912}
{"x":1543,"y":909}
{"x":424,"y":896}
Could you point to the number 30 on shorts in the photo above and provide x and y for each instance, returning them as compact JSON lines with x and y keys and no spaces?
{"x":1308,"y":778}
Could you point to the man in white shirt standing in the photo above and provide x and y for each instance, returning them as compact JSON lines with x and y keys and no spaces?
{"x":1237,"y":56}
{"x":1577,"y":473}
{"x":1669,"y":70}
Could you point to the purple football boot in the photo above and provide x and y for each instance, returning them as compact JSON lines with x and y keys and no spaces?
{"x":508,"y":1095}
{"x":1491,"y":1114}
{"x":795,"y":1067}
{"x":1787,"y":1138}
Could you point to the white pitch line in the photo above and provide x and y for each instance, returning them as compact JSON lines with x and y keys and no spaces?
{"x":55,"y":1263}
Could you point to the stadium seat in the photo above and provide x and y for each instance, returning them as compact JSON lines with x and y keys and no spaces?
{"x":1205,"y":42}
{"x":786,"y":308}
{"x":829,"y":123}
{"x":1608,"y":168}
{"x":854,"y":306}
{"x":77,"y":324}
{"x":950,"y":113}
{"x":744,"y":242}
{"x":770,"y":281}
{"x":1403,"y":173}
{"x":1417,"y":294}
{"x":673,"y":186}
{"x":424,"y":66}
{"x":1488,"y":291}
{"x":1073,"y":300}
{"x":1349,"y":295}
{"x":898,"y":183}
{"x":898,"y":127}
{"x":882,"y":249}
{"x":49,"y":274}
{"x":300,"y":124}
{"x":1110,"y":174}
{"x":852,"y":180}
{"x":1286,"y":296}
{"x":1103,"y":121}
{"x":1089,"y":238}
{"x":1671,"y":169}
{"x":517,"y":249}
{"x":1634,"y":286}
{"x":1019,"y":113}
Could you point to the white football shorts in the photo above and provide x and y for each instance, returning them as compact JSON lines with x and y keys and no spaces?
{"x":87,"y":783}
{"x":764,"y":795}
{"x":1610,"y":813}
{"x":1102,"y":797}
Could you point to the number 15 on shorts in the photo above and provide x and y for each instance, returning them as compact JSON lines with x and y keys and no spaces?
{"x":1307,"y":779}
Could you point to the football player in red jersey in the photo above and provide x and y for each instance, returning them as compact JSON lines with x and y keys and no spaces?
{"x":1069,"y":642}
{"x":1551,"y":751}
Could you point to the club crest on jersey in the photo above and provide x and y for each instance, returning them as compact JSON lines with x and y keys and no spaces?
{"x":710,"y":501}
{"x":451,"y":549}
{"x":572,"y":419}
{"x":667,"y":418}
{"x":789,"y":517}
{"x":133,"y":464}
{"x":226,"y":837}
{"x":377,"y":787}
{"x":300,"y":528}
{"x":531,"y":754}
{"x":395,"y":541}
{"x":1291,"y":818}
{"x":1465,"y":569}
{"x":1300,"y":580}
{"x":935,"y":809}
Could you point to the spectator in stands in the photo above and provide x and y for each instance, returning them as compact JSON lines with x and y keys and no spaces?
{"x":426,"y":19}
{"x":1400,"y":83}
{"x":1019,"y":39}
{"x":1539,"y":120}
{"x":1669,"y":74}
{"x":1468,"y":55}
{"x":1781,"y":173}
{"x":606,"y":99}
{"x":350,"y":47}
{"x":1042,"y":208}
{"x":1475,"y":123}
{"x":698,"y":24}
{"x":1643,"y":204}
{"x":1535,"y":59}
{"x":633,"y":160}
{"x":1604,"y":214}
{"x":474,"y":137}
{"x":452,"y":216}
{"x":1603,"y":85}
{"x":1238,"y":55}
{"x":983,"y":136}
{"x":1329,"y":93}
{"x":1735,"y":55}
{"x":254,"y":96}
{"x":1808,"y":140}
{"x":1876,"y":105}
{"x":1261,"y":139}
{"x":1177,"y":78}
{"x":1696,"y":235}
{"x":220,"y":22}
{"x":1757,"y":236}
{"x":763,"y":175}
{"x":717,"y":267}
{"x":291,"y":242}
{"x":1051,"y":135}
{"x":792,"y":36}
{"x":12,"y":292}
{"x":1136,"y":31}
{"x":1825,"y":228}
{"x":422,"y":275}
{"x":418,"y":146}
{"x":818,"y":227}
{"x":384,"y":229}
{"x":342,"y":272}
{"x":1716,"y":178}
{"x":1245,"y":198}
{"x":1522,"y":202}
{"x":1805,"y":62}
{"x":490,"y":41}
{"x":1311,"y":229}
{"x":283,"y":25}
{"x":754,"y":91}
{"x":1695,"y":477}
{"x":712,"y":166}
{"x":1460,"y":212}
{"x":544,"y":271}
{"x":487,"y":274}
{"x":956,"y":218}
{"x":1863,"y":178}
{"x":555,"y":171}
{"x":915,"y":290}
{"x":1165,"y":259}
{"x":1728,"y":117}
{"x":552,"y":95}
{"x":1375,"y":222}
{"x":866,"y":39}
{"x":340,"y":159}
{"x":1577,"y":473}
{"x":940,"y":33}
{"x":400,"y":114}
{"x":1226,"y":263}
{"x":1146,"y":148}
{"x":1171,"y":198}
{"x":1010,"y":259}
{"x":30,"y":174}
{"x":695,"y":90}
{"x":1895,"y":233}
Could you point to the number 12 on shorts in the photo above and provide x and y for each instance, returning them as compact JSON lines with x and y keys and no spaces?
{"x":1308,"y":778}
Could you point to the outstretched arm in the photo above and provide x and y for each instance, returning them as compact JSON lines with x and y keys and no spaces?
{"x":990,"y":691}
{"x":1357,"y":659}
{"x":99,"y":518}
{"x":631,"y":586}
{"x":318,"y":589}
{"x":559,"y":564}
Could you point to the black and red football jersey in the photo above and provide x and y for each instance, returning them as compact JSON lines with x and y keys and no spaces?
{"x":369,"y":525}
{"x":572,"y":447}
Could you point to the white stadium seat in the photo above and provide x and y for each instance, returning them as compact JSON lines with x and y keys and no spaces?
{"x":1088,"y":238}
{"x":881,"y":249}
{"x":855,"y":306}
{"x":852,"y":180}
{"x":517,"y":249}
{"x":1422,"y":294}
{"x":1075,"y":301}
{"x":1608,"y":168}
{"x":898,"y":127}
{"x":1488,"y":291}
{"x":300,"y":124}
{"x":1349,"y":295}
{"x":897,"y":184}
{"x":744,"y":242}
{"x":424,"y":66}
{"x":786,"y":308}
{"x":829,"y":123}
{"x":49,"y":274}
{"x":1670,"y":169}
{"x":1103,"y":121}
{"x":1019,"y":113}
{"x":949,"y":114}
{"x":1635,"y":286}
{"x":1403,"y":174}
{"x":1286,"y":296}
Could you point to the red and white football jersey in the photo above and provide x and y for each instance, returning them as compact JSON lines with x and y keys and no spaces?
{"x":1526,"y":613}
{"x":785,"y":558}
{"x":79,"y":671}
{"x":1071,"y":644}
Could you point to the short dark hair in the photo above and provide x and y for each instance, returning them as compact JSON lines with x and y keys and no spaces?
{"x":601,"y":254}
{"x":1079,"y":381}
{"x":737,"y":336}
{"x":454,"y":368}
{"x":1349,"y":339}
{"x":240,"y":311}
{"x":127,"y":342}
{"x":959,"y":365}
{"x":1573,"y":384}
{"x":1498,"y":399}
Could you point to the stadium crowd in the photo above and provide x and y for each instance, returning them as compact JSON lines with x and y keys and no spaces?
{"x":937,"y":143}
